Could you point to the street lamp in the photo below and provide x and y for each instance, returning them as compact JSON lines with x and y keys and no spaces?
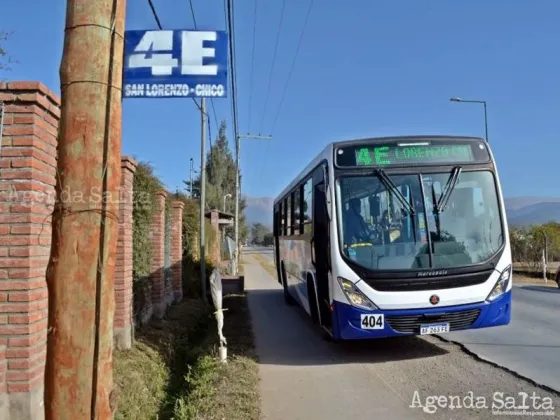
{"x":457,"y":99}
{"x":226,"y":196}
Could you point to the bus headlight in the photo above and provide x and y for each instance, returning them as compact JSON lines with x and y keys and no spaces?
{"x":501,"y":285}
{"x":355,"y":297}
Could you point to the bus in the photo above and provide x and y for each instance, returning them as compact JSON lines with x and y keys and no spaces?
{"x":396,"y":236}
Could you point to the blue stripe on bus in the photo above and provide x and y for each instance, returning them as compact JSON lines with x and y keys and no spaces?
{"x":346,"y":318}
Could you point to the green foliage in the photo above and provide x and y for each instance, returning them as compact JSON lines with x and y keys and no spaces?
{"x":5,"y":58}
{"x":220,"y":181}
{"x":191,"y":246}
{"x":268,"y":239}
{"x":146,"y":185}
{"x":527,"y":243}
{"x":259,"y":234}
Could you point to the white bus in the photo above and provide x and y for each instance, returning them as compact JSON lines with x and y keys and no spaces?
{"x":396,"y":236}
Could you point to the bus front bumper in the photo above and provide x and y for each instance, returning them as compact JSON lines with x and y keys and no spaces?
{"x":350,"y":323}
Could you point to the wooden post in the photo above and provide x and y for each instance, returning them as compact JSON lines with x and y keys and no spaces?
{"x":80,"y":275}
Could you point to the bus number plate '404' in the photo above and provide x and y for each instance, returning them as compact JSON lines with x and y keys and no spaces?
{"x":372,"y":321}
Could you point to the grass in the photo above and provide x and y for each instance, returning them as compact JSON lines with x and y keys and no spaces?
{"x":522,"y":279}
{"x":225,"y":391}
{"x":172,"y":371}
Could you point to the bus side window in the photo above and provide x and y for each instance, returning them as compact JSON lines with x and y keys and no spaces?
{"x":289,"y":215}
{"x":307,"y":206}
{"x":284,"y":217}
{"x":297,"y":211}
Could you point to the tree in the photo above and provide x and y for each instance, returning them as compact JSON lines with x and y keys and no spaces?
{"x":220,"y":180}
{"x":259,"y":233}
{"x":193,"y":191}
{"x":268,"y":239}
{"x":5,"y":58}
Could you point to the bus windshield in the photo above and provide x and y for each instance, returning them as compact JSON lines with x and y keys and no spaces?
{"x":429,"y":221}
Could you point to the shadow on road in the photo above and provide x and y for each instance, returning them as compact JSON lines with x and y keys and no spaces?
{"x":286,"y":336}
{"x":545,"y":289}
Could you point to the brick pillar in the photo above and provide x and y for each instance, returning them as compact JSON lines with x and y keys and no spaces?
{"x":4,"y":402}
{"x":27,"y":180}
{"x":122,"y":326}
{"x":157,"y":238}
{"x":177,"y":249}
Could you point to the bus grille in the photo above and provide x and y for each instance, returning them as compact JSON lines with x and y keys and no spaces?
{"x":411,"y":323}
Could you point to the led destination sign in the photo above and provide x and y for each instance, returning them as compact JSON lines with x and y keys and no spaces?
{"x":411,"y":154}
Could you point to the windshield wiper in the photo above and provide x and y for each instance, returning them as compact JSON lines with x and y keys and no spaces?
{"x":446,"y":193}
{"x":393,"y":189}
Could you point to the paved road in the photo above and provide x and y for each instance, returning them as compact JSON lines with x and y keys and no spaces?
{"x":304,"y":377}
{"x":530,"y":345}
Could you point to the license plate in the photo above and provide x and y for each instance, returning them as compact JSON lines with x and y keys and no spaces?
{"x":434,"y":328}
{"x":372,"y":321}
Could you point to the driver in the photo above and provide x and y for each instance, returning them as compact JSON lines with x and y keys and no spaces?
{"x":356,"y":229}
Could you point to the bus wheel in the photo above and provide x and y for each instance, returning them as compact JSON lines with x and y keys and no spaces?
{"x":312,"y":300}
{"x":287,"y":297}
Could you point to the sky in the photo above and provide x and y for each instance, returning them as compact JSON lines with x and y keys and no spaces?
{"x":365,"y":68}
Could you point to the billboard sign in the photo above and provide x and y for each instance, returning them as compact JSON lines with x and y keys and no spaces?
{"x":175,"y":64}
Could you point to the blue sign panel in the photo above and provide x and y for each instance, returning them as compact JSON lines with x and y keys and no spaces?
{"x":175,"y":64}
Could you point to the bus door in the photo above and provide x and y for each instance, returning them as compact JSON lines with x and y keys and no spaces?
{"x":276,"y":234}
{"x":320,"y":243}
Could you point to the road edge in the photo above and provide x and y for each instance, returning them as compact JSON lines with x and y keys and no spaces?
{"x":480,"y":358}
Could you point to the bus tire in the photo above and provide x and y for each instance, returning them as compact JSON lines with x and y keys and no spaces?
{"x":287,"y":297}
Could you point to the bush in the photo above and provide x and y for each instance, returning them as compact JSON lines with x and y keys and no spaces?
{"x":146,"y":185}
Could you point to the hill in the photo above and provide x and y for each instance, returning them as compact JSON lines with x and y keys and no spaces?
{"x":521,"y":211}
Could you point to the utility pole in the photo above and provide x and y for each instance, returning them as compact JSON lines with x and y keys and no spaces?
{"x":202,"y":187}
{"x":237,"y":192}
{"x":80,"y":273}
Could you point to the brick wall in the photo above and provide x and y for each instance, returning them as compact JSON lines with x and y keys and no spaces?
{"x":27,"y":179}
{"x":157,"y":239}
{"x":177,"y":249}
{"x":122,"y":327}
{"x":27,"y":194}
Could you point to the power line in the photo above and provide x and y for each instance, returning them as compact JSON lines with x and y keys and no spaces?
{"x":154,"y":13}
{"x":156,"y":17}
{"x":192,"y":13}
{"x":293,"y":65}
{"x":230,"y":15}
{"x":272,"y":66}
{"x":252,"y":65}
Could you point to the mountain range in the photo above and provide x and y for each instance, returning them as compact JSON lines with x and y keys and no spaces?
{"x":521,"y":211}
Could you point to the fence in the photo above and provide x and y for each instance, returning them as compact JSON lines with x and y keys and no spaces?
{"x":28,"y":159}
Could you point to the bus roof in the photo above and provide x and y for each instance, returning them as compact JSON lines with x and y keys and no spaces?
{"x":327,"y":153}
